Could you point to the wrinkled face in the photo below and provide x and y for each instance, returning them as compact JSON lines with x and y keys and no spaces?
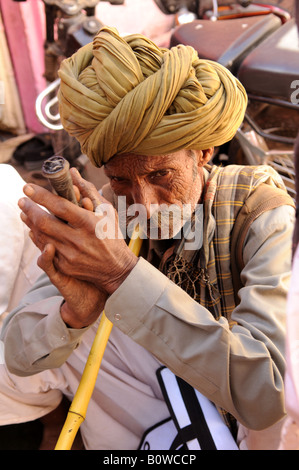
{"x":158,"y":182}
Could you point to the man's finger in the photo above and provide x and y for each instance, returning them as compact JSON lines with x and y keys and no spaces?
{"x":87,"y":204}
{"x":77,"y":194}
{"x":87,"y":189}
{"x":37,"y":218}
{"x":56,"y":205}
{"x":45,"y":262}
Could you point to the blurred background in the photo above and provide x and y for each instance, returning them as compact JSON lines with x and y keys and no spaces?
{"x":35,"y":35}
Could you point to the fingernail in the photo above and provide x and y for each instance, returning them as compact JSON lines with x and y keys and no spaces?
{"x":23,"y":216}
{"x":28,"y":190}
{"x":21,"y":203}
{"x":75,"y":171}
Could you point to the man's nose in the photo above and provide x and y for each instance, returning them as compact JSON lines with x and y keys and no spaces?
{"x":145,"y":195}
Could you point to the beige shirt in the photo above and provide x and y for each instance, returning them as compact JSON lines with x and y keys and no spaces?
{"x":240,"y":369}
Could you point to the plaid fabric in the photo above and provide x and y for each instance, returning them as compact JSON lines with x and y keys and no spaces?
{"x":206,"y":274}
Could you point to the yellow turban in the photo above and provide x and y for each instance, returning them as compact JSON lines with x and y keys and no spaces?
{"x":126,"y":95}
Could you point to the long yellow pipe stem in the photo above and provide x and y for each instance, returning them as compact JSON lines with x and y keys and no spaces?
{"x":77,"y":411}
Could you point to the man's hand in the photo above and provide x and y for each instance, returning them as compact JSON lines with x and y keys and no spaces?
{"x":74,"y":253}
{"x":83,"y":301}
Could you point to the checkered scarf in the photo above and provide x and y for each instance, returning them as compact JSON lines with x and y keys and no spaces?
{"x":205,"y":274}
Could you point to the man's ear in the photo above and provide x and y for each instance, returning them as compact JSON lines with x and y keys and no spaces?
{"x":204,"y":156}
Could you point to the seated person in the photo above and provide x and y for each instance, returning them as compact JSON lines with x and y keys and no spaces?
{"x":18,"y":261}
{"x":290,"y":431}
{"x":212,"y":308}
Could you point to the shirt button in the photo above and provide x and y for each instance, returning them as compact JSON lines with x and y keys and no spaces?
{"x":63,"y":338}
{"x":117,"y":316}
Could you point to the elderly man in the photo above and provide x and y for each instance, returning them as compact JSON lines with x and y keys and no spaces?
{"x":211,"y":309}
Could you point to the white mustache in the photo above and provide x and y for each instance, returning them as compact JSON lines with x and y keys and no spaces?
{"x":165,"y":221}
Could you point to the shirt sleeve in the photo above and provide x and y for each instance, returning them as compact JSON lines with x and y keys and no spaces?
{"x":240,"y":369}
{"x":35,"y":336}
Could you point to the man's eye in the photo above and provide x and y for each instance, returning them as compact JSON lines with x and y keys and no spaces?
{"x":116,"y":179}
{"x":159,"y":174}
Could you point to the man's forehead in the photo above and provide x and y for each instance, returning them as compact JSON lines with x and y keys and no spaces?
{"x":132,"y":161}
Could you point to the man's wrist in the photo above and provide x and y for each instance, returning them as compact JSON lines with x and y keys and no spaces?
{"x":69,"y":318}
{"x":115,"y":284}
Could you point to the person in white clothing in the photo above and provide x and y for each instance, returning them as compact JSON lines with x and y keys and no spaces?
{"x":18,"y":271}
{"x":18,"y":255}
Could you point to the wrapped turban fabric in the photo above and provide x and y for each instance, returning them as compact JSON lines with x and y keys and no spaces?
{"x":126,"y":95}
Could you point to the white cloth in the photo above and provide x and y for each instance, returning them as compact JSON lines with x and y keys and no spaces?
{"x":290,"y":432}
{"x":126,"y":401}
{"x":18,"y":255}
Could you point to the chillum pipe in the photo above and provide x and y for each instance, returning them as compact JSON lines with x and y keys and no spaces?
{"x":56,"y":169}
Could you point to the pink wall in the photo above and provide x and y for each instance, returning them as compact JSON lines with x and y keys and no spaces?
{"x":24,"y":30}
{"x":24,"y":24}
{"x":33,"y":16}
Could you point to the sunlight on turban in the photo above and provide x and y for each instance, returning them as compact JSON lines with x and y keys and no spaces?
{"x":126,"y":95}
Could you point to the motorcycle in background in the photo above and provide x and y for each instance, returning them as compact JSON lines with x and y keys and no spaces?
{"x":259,"y":44}
{"x":256,"y":42}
